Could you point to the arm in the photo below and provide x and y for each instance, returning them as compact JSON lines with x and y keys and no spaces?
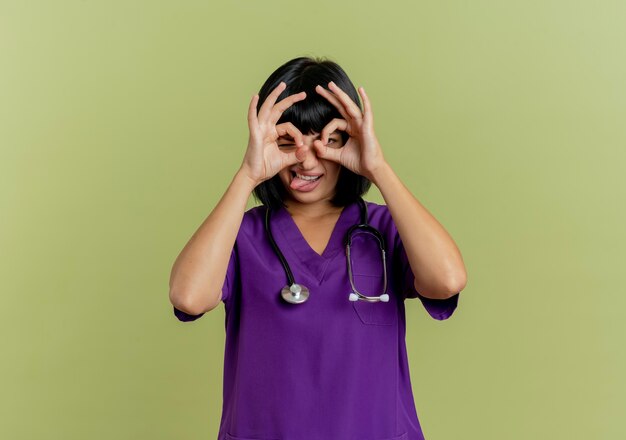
{"x":434,"y":257}
{"x":198,"y":273}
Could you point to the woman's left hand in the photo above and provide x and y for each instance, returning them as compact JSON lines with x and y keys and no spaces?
{"x":361,"y":153}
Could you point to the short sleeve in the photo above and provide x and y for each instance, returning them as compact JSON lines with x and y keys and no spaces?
{"x":226,"y":289}
{"x":439,"y":309}
{"x":185,"y":317}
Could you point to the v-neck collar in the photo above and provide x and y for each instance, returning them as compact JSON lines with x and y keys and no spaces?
{"x":293,"y":244}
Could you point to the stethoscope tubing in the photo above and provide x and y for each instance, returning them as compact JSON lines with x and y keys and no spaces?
{"x":296,"y":293}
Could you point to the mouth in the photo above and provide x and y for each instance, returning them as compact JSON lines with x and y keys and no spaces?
{"x":305,"y":177}
{"x":304,"y":183}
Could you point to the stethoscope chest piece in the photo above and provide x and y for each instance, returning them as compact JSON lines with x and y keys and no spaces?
{"x":295,"y":294}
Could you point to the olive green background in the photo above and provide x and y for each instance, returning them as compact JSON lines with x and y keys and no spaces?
{"x":123,"y":122}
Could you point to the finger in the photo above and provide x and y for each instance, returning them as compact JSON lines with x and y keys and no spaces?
{"x":351,"y":107}
{"x":298,"y":156}
{"x":367,"y":106}
{"x":289,"y":128}
{"x":283,"y":105}
{"x":290,"y":158}
{"x":270,"y":100}
{"x":335,"y":124}
{"x":326,"y":152}
{"x":252,"y":117}
{"x":333,"y":100}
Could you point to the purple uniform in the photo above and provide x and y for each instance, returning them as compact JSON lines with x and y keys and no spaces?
{"x":329,"y":368}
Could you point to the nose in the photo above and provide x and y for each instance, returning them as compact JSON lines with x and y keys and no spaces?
{"x":310,"y":158}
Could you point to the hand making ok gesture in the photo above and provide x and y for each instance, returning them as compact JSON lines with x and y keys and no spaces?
{"x":361,"y":154}
{"x":263,"y":159}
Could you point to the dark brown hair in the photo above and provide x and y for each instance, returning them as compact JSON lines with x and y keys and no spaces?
{"x":311,"y":115}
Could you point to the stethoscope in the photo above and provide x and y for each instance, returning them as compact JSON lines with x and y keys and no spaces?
{"x":297,"y":293}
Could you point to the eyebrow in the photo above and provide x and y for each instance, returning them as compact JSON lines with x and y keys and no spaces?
{"x":288,"y":136}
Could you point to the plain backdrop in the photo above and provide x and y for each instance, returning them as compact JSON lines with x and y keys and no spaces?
{"x":123,"y":122}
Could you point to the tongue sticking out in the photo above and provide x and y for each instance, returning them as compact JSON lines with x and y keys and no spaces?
{"x":298,"y":182}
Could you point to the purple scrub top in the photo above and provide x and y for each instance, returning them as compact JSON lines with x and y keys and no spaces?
{"x":328,"y":368}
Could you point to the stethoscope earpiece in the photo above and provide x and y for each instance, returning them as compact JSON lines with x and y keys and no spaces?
{"x":383,"y":298}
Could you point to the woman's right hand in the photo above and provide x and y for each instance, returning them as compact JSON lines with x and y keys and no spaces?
{"x":263,"y":158}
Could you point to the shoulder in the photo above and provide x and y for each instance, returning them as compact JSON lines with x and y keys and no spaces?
{"x":380,"y":218}
{"x":379,"y":215}
{"x":253,"y":221}
{"x":254,"y":214}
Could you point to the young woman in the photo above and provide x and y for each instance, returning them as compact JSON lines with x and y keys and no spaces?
{"x":315,"y":330}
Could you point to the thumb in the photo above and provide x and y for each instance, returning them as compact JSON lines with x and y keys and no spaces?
{"x":292,"y":158}
{"x":326,"y":152}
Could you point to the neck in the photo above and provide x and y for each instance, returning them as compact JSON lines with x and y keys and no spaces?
{"x":315,"y":210}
